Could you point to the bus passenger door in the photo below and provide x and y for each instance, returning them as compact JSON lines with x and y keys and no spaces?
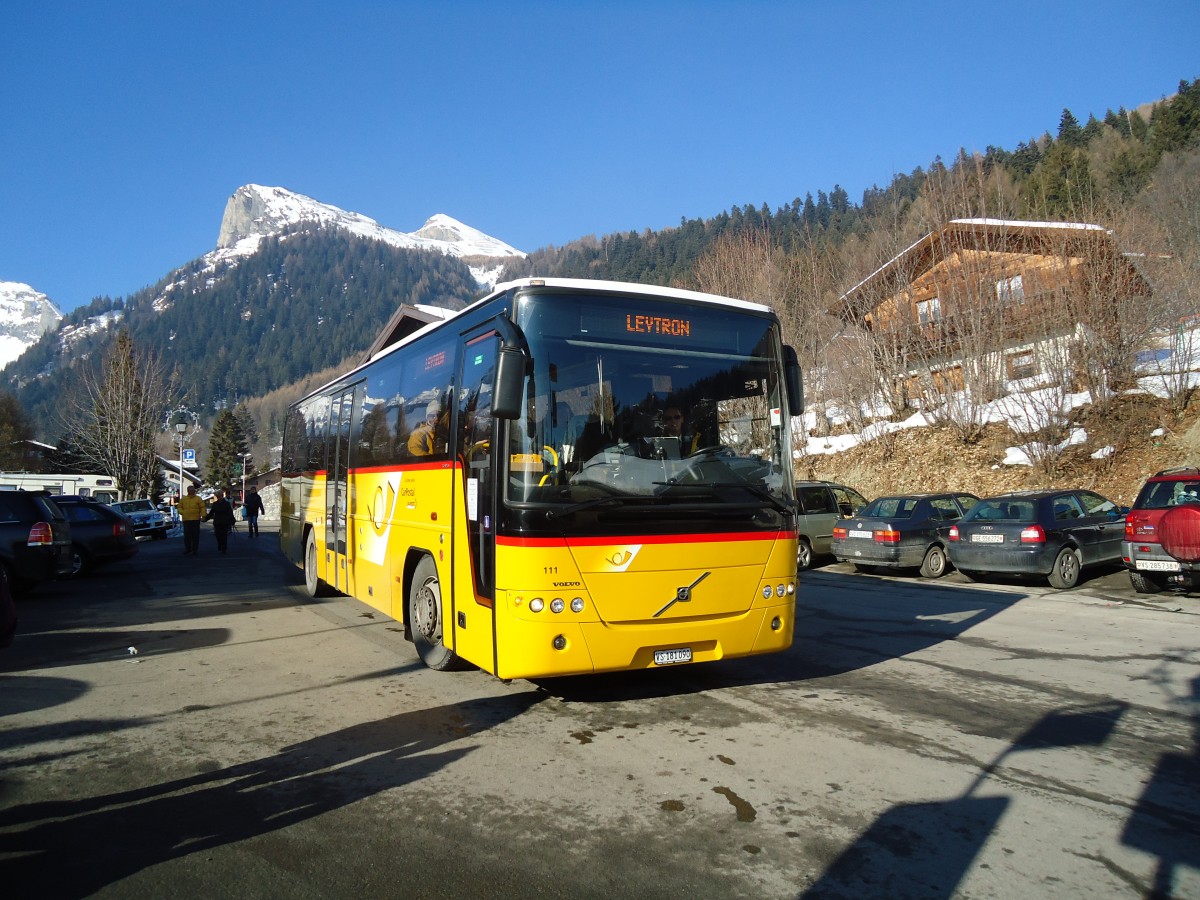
{"x":337,"y":494}
{"x":475,"y":511}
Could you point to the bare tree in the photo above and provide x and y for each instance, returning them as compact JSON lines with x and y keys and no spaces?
{"x":1169,"y":219}
{"x":116,"y":416}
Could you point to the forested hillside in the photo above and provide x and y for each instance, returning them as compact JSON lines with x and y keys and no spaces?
{"x":1093,"y":168}
{"x":304,"y":302}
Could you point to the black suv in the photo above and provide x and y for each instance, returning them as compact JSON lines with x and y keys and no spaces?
{"x":35,"y":539}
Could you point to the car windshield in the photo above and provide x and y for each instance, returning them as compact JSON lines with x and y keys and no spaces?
{"x":1003,"y":509}
{"x":649,"y":401}
{"x":129,"y":506}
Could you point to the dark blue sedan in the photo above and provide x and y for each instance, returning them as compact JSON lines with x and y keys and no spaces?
{"x":1052,"y":534}
{"x":901,"y":531}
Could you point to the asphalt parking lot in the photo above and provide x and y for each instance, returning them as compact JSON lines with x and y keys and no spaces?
{"x":197,"y":726}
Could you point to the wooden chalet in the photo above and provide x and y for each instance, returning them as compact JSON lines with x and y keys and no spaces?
{"x":995,"y":288}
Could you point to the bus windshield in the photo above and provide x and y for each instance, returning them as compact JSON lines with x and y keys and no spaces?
{"x":636,"y":402}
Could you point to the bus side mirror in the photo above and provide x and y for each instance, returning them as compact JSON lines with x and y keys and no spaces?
{"x":510,"y":383}
{"x":795,"y":381}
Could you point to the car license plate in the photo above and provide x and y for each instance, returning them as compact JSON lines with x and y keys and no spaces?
{"x":987,"y":539}
{"x":1157,"y":565}
{"x":861,"y":534}
{"x":669,"y":657}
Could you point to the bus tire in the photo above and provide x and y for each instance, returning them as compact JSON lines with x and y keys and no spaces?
{"x":424,"y":610}
{"x":313,"y":585}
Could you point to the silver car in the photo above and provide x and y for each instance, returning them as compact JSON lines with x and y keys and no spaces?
{"x":148,"y":522}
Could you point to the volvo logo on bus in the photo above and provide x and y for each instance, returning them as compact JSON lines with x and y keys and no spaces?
{"x":682,"y":594}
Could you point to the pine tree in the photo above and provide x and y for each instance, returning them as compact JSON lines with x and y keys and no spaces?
{"x":226,"y":445}
{"x":1069,"y":131}
{"x":15,"y":429}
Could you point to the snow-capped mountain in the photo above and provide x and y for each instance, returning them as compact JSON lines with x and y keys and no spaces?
{"x":255,"y":211}
{"x":25,"y":315}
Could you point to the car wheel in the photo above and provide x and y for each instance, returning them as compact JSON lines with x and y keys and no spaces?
{"x":425,"y":618}
{"x":80,"y":561}
{"x":1146,"y":584}
{"x":804,"y":555}
{"x":1065,"y":573}
{"x":313,"y":585}
{"x":934,"y":564}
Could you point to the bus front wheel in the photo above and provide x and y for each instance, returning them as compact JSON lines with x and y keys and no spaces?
{"x":313,"y":585}
{"x":425,"y":617}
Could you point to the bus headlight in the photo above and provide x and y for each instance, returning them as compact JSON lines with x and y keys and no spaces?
{"x":766,"y":592}
{"x":780,"y":591}
{"x":577,"y":605}
{"x":537,"y":604}
{"x":557,"y":605}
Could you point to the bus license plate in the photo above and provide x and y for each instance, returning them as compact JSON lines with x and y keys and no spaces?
{"x":987,"y":539}
{"x":668,"y":657}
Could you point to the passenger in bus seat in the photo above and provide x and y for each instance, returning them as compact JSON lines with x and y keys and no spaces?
{"x":423,"y":440}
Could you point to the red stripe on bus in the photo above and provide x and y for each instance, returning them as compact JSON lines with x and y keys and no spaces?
{"x":439,"y":465}
{"x":720,"y":538}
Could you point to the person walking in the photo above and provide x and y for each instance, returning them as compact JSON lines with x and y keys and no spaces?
{"x":191,"y":511}
{"x":221,"y":514}
{"x":254,"y":508}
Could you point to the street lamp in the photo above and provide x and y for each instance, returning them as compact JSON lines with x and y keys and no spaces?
{"x":244,"y":456}
{"x":180,"y":429}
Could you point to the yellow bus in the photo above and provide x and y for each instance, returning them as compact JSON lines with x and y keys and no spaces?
{"x":566,"y":477}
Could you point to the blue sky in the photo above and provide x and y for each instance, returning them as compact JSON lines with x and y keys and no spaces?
{"x":124,"y":127}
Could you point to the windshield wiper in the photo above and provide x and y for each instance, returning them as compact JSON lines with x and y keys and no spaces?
{"x":754,"y":489}
{"x":594,"y":502}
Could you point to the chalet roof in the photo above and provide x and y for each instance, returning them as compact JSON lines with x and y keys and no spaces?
{"x":997,"y":235}
{"x":406,"y":320}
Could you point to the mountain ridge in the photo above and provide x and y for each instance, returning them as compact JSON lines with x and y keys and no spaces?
{"x":253,"y":213}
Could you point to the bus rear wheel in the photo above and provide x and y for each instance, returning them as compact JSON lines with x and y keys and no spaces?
{"x":425,"y":618}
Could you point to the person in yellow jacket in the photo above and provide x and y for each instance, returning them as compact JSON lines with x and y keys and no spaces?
{"x":425,"y":439}
{"x":191,"y":511}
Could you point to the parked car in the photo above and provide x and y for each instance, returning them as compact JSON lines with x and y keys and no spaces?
{"x":35,"y":539}
{"x":1054,"y":534}
{"x":902,"y":531}
{"x":822,"y":504}
{"x":147,"y":521}
{"x":1162,"y":532}
{"x":99,"y":534}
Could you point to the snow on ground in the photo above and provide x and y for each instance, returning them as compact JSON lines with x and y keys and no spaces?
{"x":1027,"y":410}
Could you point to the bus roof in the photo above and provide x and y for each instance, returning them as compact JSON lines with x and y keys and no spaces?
{"x":579,"y":285}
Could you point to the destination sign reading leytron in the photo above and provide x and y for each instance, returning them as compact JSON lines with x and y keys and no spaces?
{"x":658,"y":325}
